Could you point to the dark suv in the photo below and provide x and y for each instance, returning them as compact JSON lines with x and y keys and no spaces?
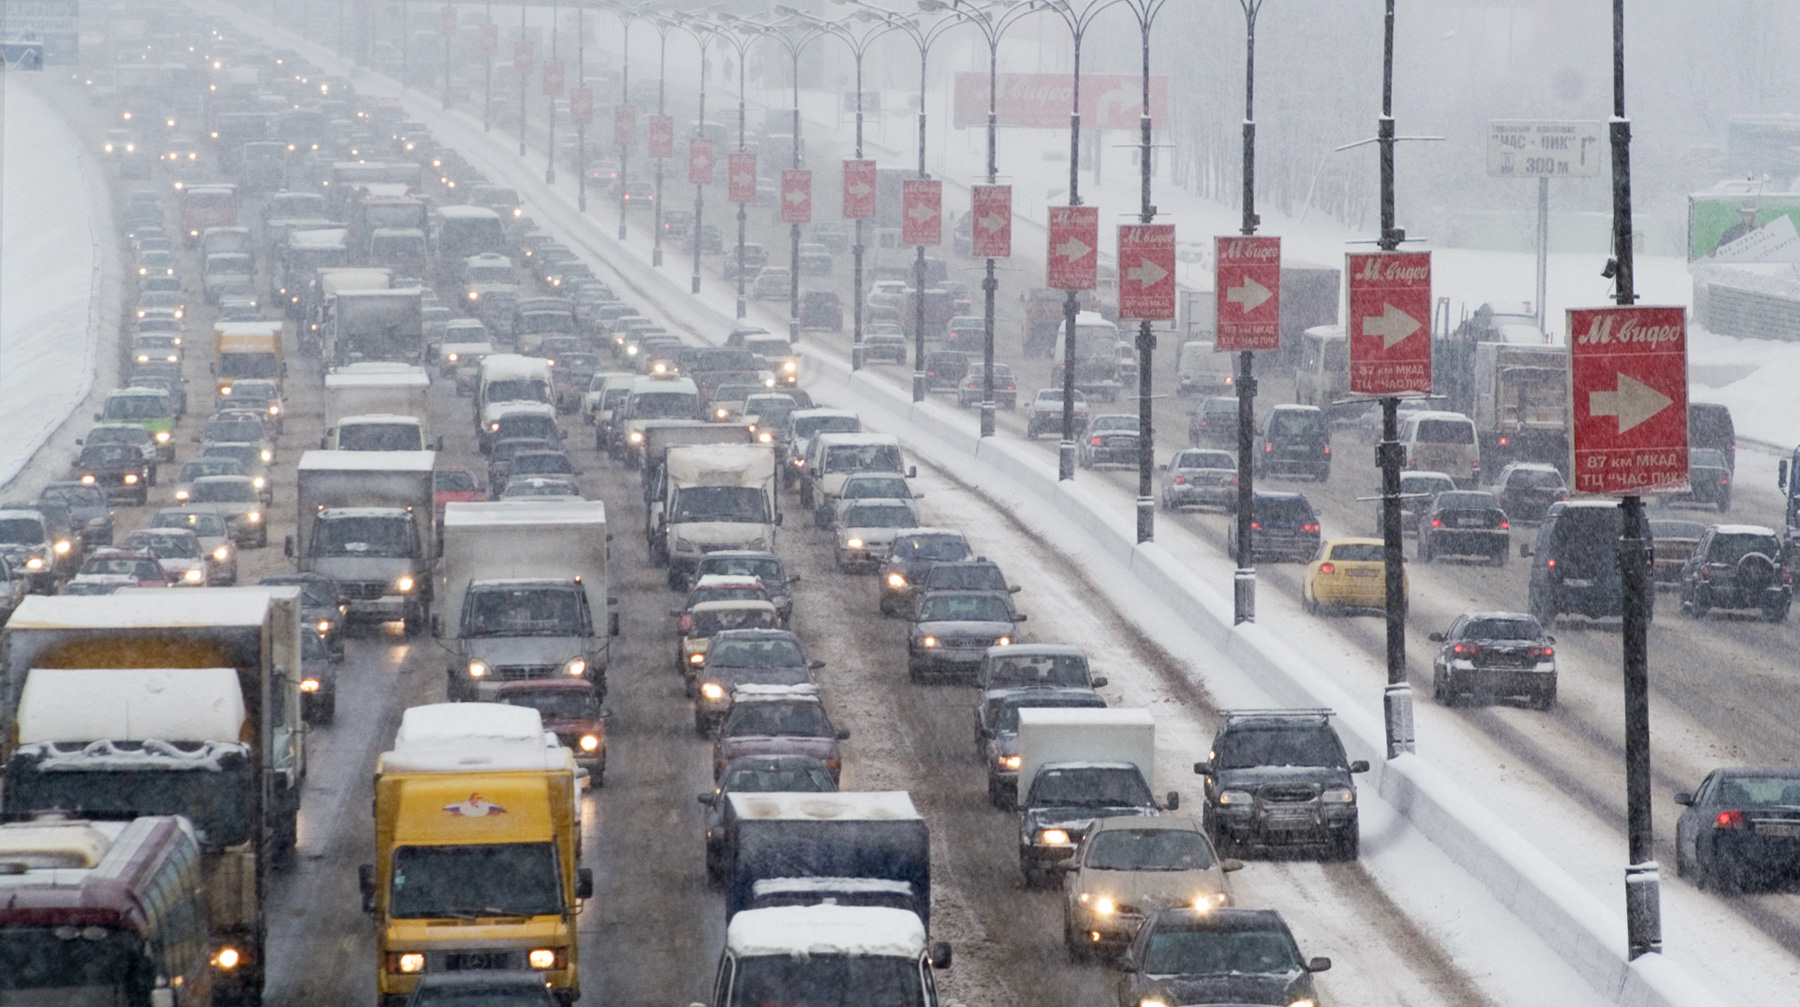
{"x":1296,"y":441}
{"x":1282,"y":527}
{"x":1575,"y":562}
{"x":1737,"y":566}
{"x":1214,"y":424}
{"x":1280,"y":779}
{"x":1710,"y":426}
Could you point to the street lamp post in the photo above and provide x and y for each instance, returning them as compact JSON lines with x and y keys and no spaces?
{"x":794,"y":44}
{"x":487,"y":73}
{"x":550,"y":100}
{"x":740,"y":33}
{"x":703,"y":32}
{"x":1145,"y":11}
{"x":581,"y":167}
{"x":663,"y":27}
{"x":626,"y":16}
{"x":522,"y":75}
{"x":1243,"y":585}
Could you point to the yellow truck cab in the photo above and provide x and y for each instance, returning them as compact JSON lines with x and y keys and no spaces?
{"x":245,"y":350}
{"x":476,"y":842}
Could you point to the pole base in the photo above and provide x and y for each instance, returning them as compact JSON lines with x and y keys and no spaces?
{"x":621,"y":230}
{"x":656,"y":257}
{"x":1643,"y":909}
{"x":856,"y":358}
{"x":1065,"y":461}
{"x":694,"y":286}
{"x":918,"y":386}
{"x":987,"y":419}
{"x":581,"y":204}
{"x":1397,"y":705}
{"x":1243,"y":596}
{"x":742,"y":308}
{"x":550,"y":176}
{"x":793,"y":330}
{"x":1146,"y":520}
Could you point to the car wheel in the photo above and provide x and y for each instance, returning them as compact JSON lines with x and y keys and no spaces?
{"x":1346,"y":847}
{"x":700,"y":726}
{"x":327,"y":708}
{"x":1079,"y":951}
{"x":1424,"y":550}
{"x":1776,"y":613}
{"x":1724,"y":504}
{"x":1546,"y":699}
{"x":1312,"y":603}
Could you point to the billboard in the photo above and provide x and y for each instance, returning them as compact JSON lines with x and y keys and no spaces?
{"x":1737,"y":228}
{"x":1044,"y":100}
{"x":52,"y":22}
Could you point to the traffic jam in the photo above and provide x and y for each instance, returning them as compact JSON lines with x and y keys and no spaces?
{"x":434,"y":614}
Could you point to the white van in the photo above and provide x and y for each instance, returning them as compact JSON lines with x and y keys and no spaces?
{"x":1442,"y":442}
{"x":1202,"y":369}
{"x":832,"y":458}
{"x":834,"y":953}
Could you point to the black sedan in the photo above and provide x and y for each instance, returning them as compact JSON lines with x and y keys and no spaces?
{"x":1465,"y":523}
{"x":736,"y":658}
{"x":1494,"y":655}
{"x":1741,"y":829}
{"x":1527,"y":489}
{"x":952,"y":630}
{"x":1217,"y":956}
{"x":1110,"y":440}
{"x":119,"y":469}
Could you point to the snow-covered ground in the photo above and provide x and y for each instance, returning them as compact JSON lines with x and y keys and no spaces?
{"x":58,"y":276}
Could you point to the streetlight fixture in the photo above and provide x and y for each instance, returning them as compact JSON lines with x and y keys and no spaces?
{"x":992,"y":27}
{"x":923,"y":36}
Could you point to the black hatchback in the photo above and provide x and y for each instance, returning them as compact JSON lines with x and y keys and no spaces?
{"x":1296,"y":441}
{"x":1283,"y":527}
{"x":1217,"y":956}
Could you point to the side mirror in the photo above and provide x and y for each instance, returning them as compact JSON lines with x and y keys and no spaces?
{"x":1173,"y":801}
{"x":438,"y":445}
{"x":1013,"y":589}
{"x":437,"y":626}
{"x":365,"y":880}
{"x":1125,"y":963}
{"x":1069,"y":866}
{"x":1524,"y":550}
{"x":1549,"y":639}
{"x":1436,"y":638}
{"x":1319,"y":965}
{"x":98,"y":417}
{"x":675,"y":613}
{"x":793,"y":578}
{"x":1359,"y":766}
{"x":708,"y":798}
{"x":1781,"y":472}
{"x":1684,"y":798}
{"x":940,"y":955}
{"x":912,"y":472}
{"x":779,"y":518}
{"x":324,"y":442}
{"x":287,"y":547}
{"x":843,"y":734}
{"x":815,"y":665}
{"x":917,"y":495}
{"x":1021,"y":617}
{"x":1099,"y":681}
{"x":1229,"y":864}
{"x":1203,"y":768}
{"x":584,"y":882}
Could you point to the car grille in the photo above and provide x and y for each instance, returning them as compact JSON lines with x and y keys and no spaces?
{"x":524,"y":672}
{"x":1289,"y":793}
{"x":475,"y":960}
{"x":968,"y":642}
{"x":362,"y":590}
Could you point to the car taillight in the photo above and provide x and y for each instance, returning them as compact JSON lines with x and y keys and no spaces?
{"x":1256,"y":525}
{"x":1309,"y":527}
{"x":1503,"y":442}
{"x":1469,"y":650}
{"x":1729,"y":820}
{"x":1505,"y":525}
{"x":1705,"y":574}
{"x":1180,"y":480}
{"x":1327,"y":449}
{"x":1541,"y":652}
{"x":1436,"y":523}
{"x":1268,"y":448}
{"x":1095,"y":441}
{"x":1327,"y":568}
{"x":1787,"y":577}
{"x":1724,"y":480}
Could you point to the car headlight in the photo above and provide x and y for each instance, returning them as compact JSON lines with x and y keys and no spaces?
{"x":63,"y":546}
{"x":576,"y":667}
{"x":324,"y":626}
{"x":1210,"y":900}
{"x":409,"y":962}
{"x":1236,"y":797}
{"x":790,"y":367}
{"x":274,"y":409}
{"x":404,"y":585}
{"x":853,"y":543}
{"x":1100,"y":904}
{"x":590,"y":742}
{"x":309,"y":685}
{"x":1151,"y":1002}
{"x":229,"y":958}
{"x":721,"y":413}
{"x":712,"y":690}
{"x":221,"y":554}
{"x":181,"y":494}
{"x":696,"y":658}
{"x":131,"y":478}
{"x":1009,"y":762}
{"x":254,"y":517}
{"x":1304,"y":1002}
{"x":268,"y":456}
{"x":34,"y":563}
{"x":1002,"y":641}
{"x":765,"y":438}
{"x":195,"y":575}
{"x":162,"y":437}
{"x":259,"y":482}
{"x":928,"y":641}
{"x":477,"y":669}
{"x":896,"y":580}
{"x":1054,"y":837}
{"x":637,"y":437}
{"x":1338,"y":795}
{"x":544,"y":958}
{"x":87,"y":480}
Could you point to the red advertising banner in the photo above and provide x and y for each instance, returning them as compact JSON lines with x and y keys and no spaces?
{"x":1247,"y":292}
{"x":1390,"y":322}
{"x":1628,"y":394}
{"x":662,"y":136}
{"x":740,"y":177}
{"x":553,"y":78}
{"x":1044,"y":100}
{"x":447,"y":19}
{"x":921,"y":211}
{"x":624,"y":125}
{"x":1074,"y":236}
{"x":859,"y":190}
{"x":581,"y":106}
{"x":522,"y":58}
{"x":990,"y":226}
{"x":490,"y":40}
{"x":796,"y":196}
{"x":700,"y":161}
{"x":1147,"y":272}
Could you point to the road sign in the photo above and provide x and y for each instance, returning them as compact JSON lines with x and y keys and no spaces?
{"x":581,"y":105}
{"x":921,"y":211}
{"x":990,"y":231}
{"x":796,"y":196}
{"x":1147,"y":272}
{"x":1390,"y":322}
{"x":700,"y":161}
{"x":624,"y":124}
{"x":522,"y":58}
{"x":490,"y":40}
{"x":447,"y":19}
{"x":1247,"y":293}
{"x":1074,"y":237}
{"x":1554,"y":148}
{"x":740,"y":177}
{"x":859,"y":190}
{"x":1628,"y":392}
{"x":662,"y":136}
{"x":553,"y":78}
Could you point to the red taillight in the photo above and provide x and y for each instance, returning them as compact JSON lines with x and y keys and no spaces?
{"x":1541,"y":652}
{"x":1705,"y":574}
{"x":687,"y":621}
{"x":1181,"y":480}
{"x":1234,"y":481}
{"x":1327,"y":568}
{"x":1309,"y":527}
{"x":1502,"y":442}
{"x":1729,"y":820}
{"x":1549,"y":562}
{"x":1327,"y":449}
{"x":1437,"y":523}
{"x":1786,"y":577}
{"x":1095,"y":441}
{"x":1505,"y":525}
{"x":1470,"y":650}
{"x":1724,"y":480}
{"x":1268,"y":448}
{"x":1256,"y":524}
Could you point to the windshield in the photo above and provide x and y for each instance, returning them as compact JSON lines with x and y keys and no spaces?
{"x":1445,"y":432}
{"x":767,"y":568}
{"x":200,"y":468}
{"x":665,"y":406}
{"x":1148,"y":850}
{"x":1537,"y":478}
{"x":1357,"y":552}
{"x":234,"y":431}
{"x":709,"y":621}
{"x":524,"y":611}
{"x":1006,"y":716}
{"x":876,"y":487}
{"x":1213,"y":952}
{"x":1502,"y":629}
{"x":1297,"y":423}
{"x":75,"y":966}
{"x":863,"y":458}
{"x":527,"y":463}
{"x":219,"y":808}
{"x":203,"y":525}
{"x":76,"y":497}
{"x":1707,"y":458}
{"x":556,"y":704}
{"x":21,"y":531}
{"x":765,"y":779}
{"x":141,"y":569}
{"x":454,"y":482}
{"x":476,"y":879}
{"x":1280,"y":746}
{"x":534,"y":426}
{"x":942,"y":548}
{"x":964,"y":608}
{"x":810,"y":425}
{"x":249,"y":365}
{"x":491,"y":274}
{"x":137,"y":407}
{"x":244,"y":454}
{"x":380,"y":437}
{"x":756,"y":654}
{"x":721,"y":503}
{"x":1038,"y":670}
{"x":117,"y":435}
{"x":237,"y":490}
{"x":1758,"y":790}
{"x":973,"y":577}
{"x":165,"y":546}
{"x":1731,"y":547}
{"x":516,"y":488}
{"x":827,"y":980}
{"x":364,"y":537}
{"x":792,"y":720}
{"x":880,"y":516}
{"x":520,"y":390}
{"x":1090,"y":787}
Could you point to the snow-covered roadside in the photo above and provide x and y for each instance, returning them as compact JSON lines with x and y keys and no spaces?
{"x":58,"y":290}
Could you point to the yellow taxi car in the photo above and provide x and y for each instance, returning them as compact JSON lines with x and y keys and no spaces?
{"x":1347,"y":573}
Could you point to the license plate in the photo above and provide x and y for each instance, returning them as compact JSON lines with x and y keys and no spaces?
{"x":1784,"y":831}
{"x":1470,"y":522}
{"x":1119,"y":442}
{"x":1363,"y":573}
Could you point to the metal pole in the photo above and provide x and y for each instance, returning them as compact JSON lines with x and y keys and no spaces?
{"x":1397,"y":699}
{"x":989,"y":285}
{"x":662,"y":80}
{"x":581,"y":165}
{"x":405,"y":49}
{"x":550,"y":105}
{"x":521,"y":72}
{"x":449,"y":37}
{"x":1543,"y":248}
{"x":742,"y":306}
{"x":1243,"y":582}
{"x":1643,"y":899}
{"x":487,"y":75}
{"x":699,"y":190}
{"x":1065,"y":452}
{"x":625,"y":98}
{"x":1146,"y":340}
{"x":794,"y":232}
{"x":856,"y":250}
{"x":918,"y":388}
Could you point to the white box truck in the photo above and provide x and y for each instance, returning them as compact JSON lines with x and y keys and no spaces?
{"x":1076,"y":765}
{"x":367,"y":520}
{"x":711,"y":497}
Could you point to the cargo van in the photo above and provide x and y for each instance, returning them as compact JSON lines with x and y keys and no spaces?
{"x":1442,"y":442}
